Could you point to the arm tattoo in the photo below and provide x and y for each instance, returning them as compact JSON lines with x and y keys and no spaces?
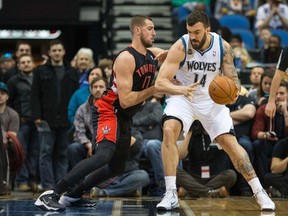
{"x":244,"y":166}
{"x":228,"y":64}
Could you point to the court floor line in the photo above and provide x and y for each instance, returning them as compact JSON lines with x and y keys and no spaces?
{"x":186,"y":208}
{"x":117,"y":208}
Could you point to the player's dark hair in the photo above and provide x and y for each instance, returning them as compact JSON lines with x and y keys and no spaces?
{"x":198,"y":16}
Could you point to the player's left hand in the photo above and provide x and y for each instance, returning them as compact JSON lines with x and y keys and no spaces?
{"x":188,"y":90}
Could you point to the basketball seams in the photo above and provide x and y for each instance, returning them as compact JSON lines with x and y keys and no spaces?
{"x":222,"y":90}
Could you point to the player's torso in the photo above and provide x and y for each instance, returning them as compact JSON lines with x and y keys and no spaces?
{"x":143,"y":76}
{"x":201,"y":66}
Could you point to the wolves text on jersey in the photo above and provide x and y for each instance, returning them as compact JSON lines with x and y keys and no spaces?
{"x":206,"y":66}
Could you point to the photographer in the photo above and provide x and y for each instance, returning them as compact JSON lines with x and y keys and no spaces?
{"x":207,"y":174}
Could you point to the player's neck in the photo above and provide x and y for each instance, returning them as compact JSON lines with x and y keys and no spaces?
{"x":139,"y":48}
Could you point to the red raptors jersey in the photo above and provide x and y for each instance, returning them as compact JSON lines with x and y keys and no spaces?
{"x":143,"y":77}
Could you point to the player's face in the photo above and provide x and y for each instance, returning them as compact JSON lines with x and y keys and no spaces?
{"x":198,"y":35}
{"x":147,"y":33}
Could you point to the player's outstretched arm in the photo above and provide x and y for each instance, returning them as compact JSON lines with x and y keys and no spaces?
{"x":270,"y":108}
{"x":228,"y":67}
{"x":124,"y":67}
{"x":168,"y":70}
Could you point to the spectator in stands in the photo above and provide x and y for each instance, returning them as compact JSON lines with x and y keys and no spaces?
{"x":240,"y":51}
{"x":184,"y":11}
{"x":273,"y":14}
{"x":207,"y":173}
{"x":278,"y":178}
{"x":22,"y":47}
{"x":255,"y":80}
{"x":82,"y":146}
{"x":148,"y":122}
{"x":264,"y":35}
{"x":81,"y":95}
{"x":263,"y":128}
{"x":9,"y":122}
{"x":7,"y":62}
{"x":84,"y":63}
{"x":225,"y":33}
{"x":53,"y":85}
{"x":242,"y":113}
{"x":106,"y":65}
{"x":272,"y":53}
{"x":264,"y":88}
{"x":19,"y":99}
{"x":3,"y":167}
{"x":228,"y":7}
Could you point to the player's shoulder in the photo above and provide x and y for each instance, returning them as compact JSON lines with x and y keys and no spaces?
{"x":124,"y":56}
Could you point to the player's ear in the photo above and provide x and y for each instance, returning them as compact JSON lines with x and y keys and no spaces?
{"x":137,"y":30}
{"x":208,"y":29}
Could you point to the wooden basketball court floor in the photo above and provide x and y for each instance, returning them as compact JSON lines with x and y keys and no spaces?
{"x":22,"y":204}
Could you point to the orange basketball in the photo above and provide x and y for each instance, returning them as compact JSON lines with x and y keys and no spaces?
{"x":223,"y":90}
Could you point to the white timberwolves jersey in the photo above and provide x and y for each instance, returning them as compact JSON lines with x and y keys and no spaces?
{"x":201,"y":66}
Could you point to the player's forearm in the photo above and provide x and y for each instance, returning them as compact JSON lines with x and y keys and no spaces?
{"x":165,"y":86}
{"x":275,"y":85}
{"x":136,"y":97}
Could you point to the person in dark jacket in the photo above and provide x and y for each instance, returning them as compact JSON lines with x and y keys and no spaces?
{"x":19,"y":99}
{"x":53,"y":85}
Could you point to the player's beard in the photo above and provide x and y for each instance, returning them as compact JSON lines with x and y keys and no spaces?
{"x":145,"y":43}
{"x":202,"y":42}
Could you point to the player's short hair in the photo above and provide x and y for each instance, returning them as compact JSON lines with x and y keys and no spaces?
{"x":138,"y":20}
{"x":198,"y":16}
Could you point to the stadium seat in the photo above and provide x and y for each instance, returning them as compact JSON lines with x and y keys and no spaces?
{"x":235,"y":22}
{"x":247,"y":37}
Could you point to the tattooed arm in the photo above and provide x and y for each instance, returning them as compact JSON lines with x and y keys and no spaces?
{"x":228,"y":67}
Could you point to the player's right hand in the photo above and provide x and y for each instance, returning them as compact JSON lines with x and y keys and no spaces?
{"x":188,"y":90}
{"x":270,"y":109}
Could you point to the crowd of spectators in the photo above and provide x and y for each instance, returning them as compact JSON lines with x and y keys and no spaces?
{"x":48,"y":108}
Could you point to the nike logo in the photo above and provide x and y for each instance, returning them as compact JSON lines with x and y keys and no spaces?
{"x":45,"y":201}
{"x":173,"y":203}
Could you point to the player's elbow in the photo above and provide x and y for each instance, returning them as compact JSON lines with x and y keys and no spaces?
{"x":158,"y":86}
{"x":123,"y":104}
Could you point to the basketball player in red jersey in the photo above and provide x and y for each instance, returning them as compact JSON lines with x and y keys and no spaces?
{"x":196,"y":58}
{"x":133,"y":72}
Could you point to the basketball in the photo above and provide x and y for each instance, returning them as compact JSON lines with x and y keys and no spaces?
{"x":223,"y":90}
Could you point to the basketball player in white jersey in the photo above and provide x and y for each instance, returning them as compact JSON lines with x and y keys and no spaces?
{"x":195,"y":59}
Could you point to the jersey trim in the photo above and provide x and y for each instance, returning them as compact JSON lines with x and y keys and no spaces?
{"x":184,"y":44}
{"x":221,"y":50}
